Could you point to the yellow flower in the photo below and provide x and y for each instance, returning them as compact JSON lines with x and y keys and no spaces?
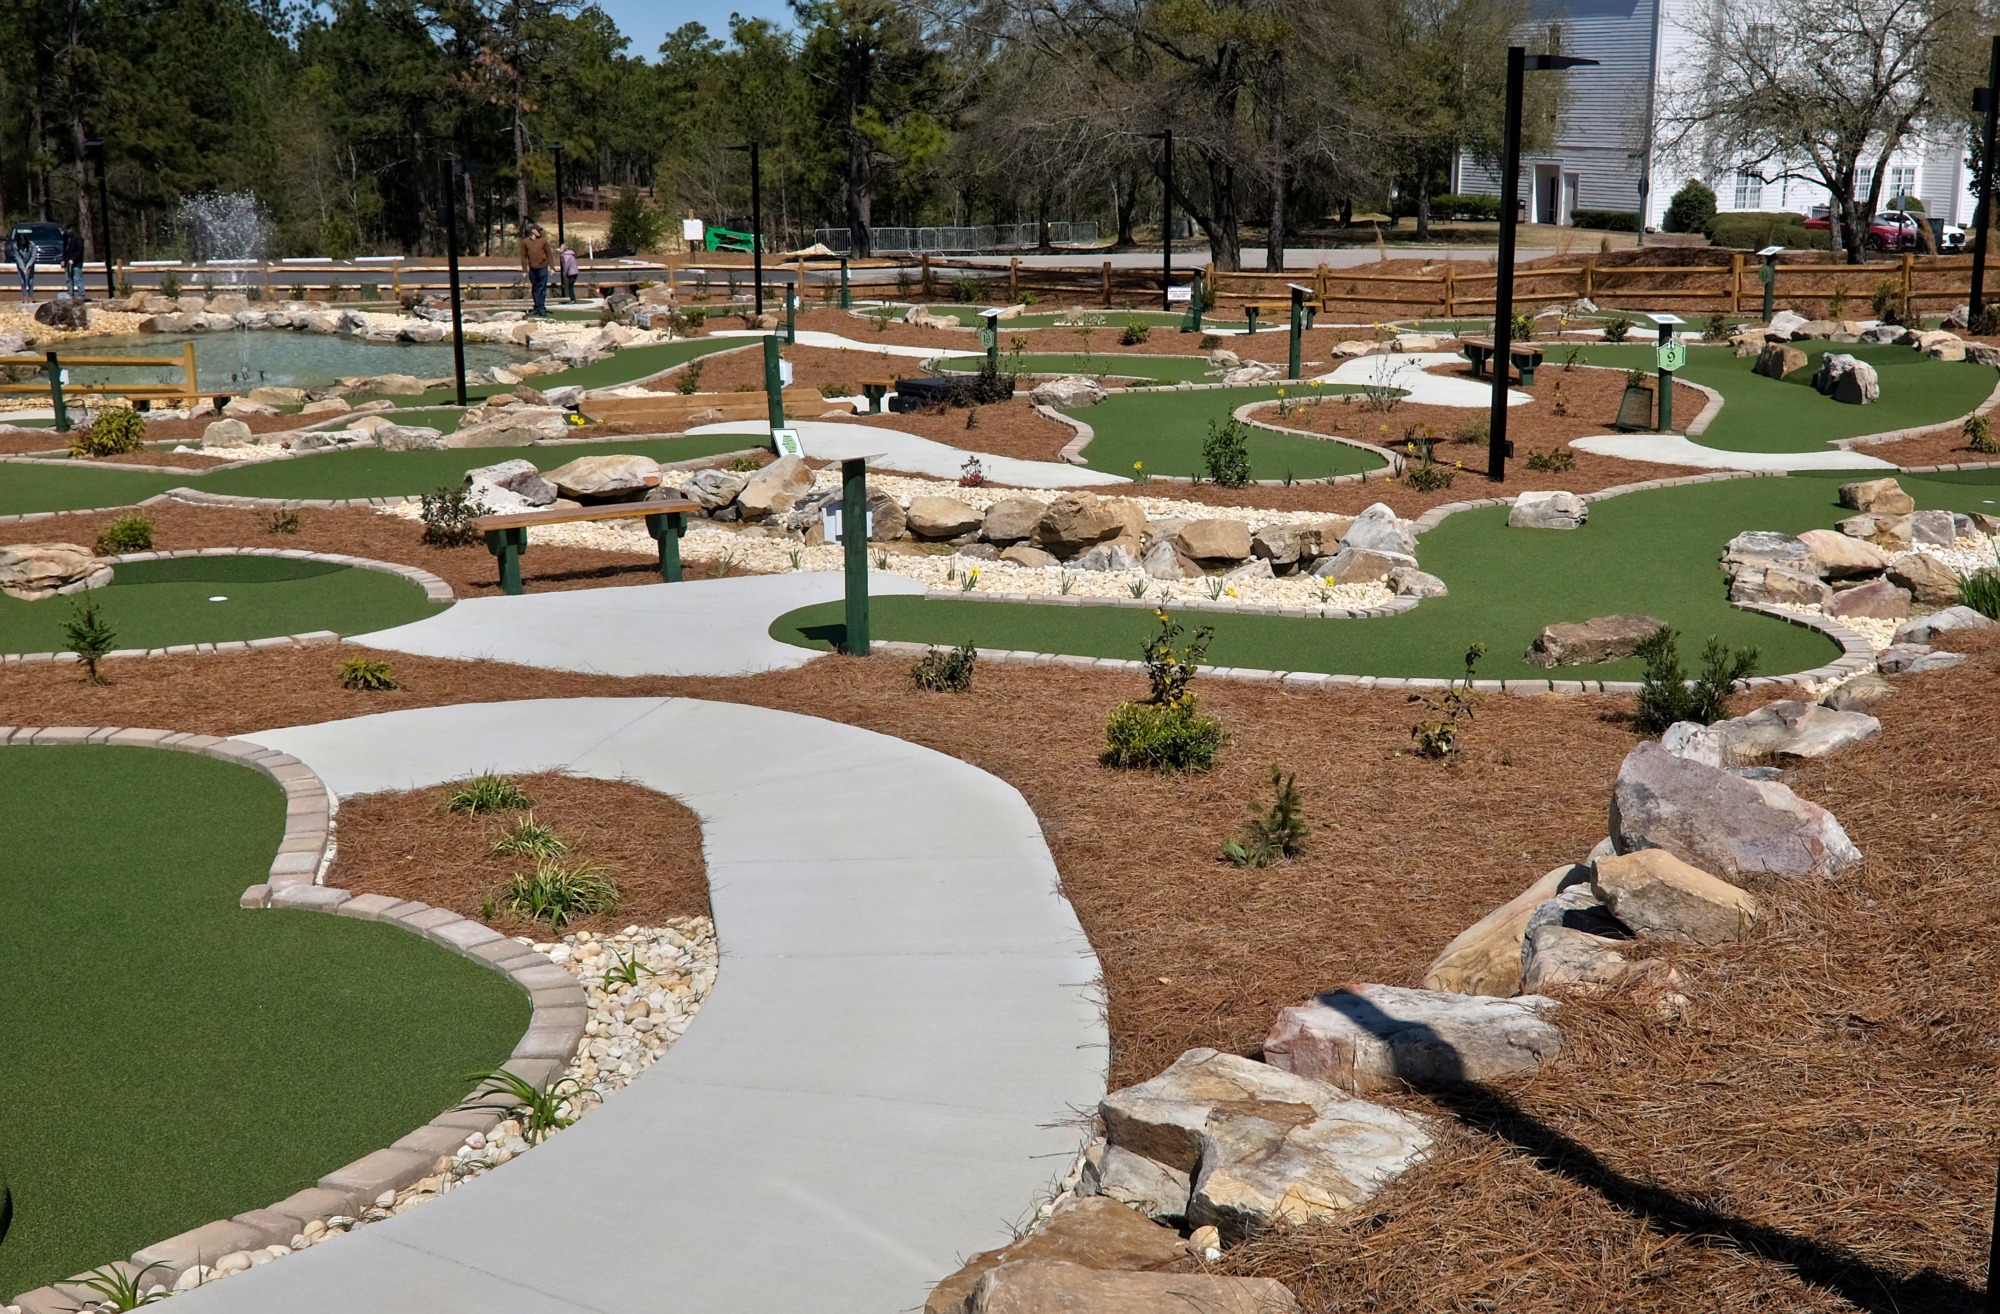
{"x":974,"y":572}
{"x":1138,"y":465}
{"x":1230,"y":592}
{"x":1328,"y":581}
{"x":1458,"y":465}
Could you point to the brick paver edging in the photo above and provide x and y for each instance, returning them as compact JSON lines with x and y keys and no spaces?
{"x":555,"y":1027}
{"x":1870,"y":439}
{"x":436,"y":592}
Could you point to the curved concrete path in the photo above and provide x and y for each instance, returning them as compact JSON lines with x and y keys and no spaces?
{"x":903,"y":1025}
{"x":834,"y":341}
{"x":697,"y":627}
{"x":829,"y":440}
{"x":1675,"y":449}
{"x":1408,"y":370}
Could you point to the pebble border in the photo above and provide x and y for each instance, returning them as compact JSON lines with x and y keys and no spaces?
{"x":436,"y":592}
{"x":1395,"y":606}
{"x":555,"y":1028}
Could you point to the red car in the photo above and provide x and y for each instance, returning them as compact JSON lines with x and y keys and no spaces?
{"x":1895,"y":230}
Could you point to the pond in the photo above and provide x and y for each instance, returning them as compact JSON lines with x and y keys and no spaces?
{"x":277,"y":358}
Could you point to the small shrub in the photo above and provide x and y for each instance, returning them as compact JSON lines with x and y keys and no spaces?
{"x":1427,"y":476}
{"x":531,"y":837}
{"x":282,"y":521}
{"x":1717,"y":329}
{"x":838,"y":389}
{"x":1272,"y":834}
{"x":121,"y":1288}
{"x":745,"y":465}
{"x":113,"y":431}
{"x":125,"y":534}
{"x":971,"y":473}
{"x":1523,"y":327}
{"x":1225,"y":453}
{"x":635,"y":226}
{"x":1172,"y":665}
{"x":1558,"y":400}
{"x":1447,"y":713}
{"x":170,"y":285}
{"x":1554,"y":461}
{"x":367,"y":674}
{"x":448,"y":515}
{"x":87,"y":635}
{"x":1164,"y":737}
{"x":1136,"y":331}
{"x":1617,"y":328}
{"x":967,"y":290}
{"x":1978,"y":431}
{"x":689,"y":383}
{"x":1667,"y":695}
{"x":1981,"y":591}
{"x":1836,"y":305}
{"x":298,"y":291}
{"x":558,"y":892}
{"x":1692,"y":209}
{"x":538,"y":1111}
{"x":972,"y":422}
{"x":1886,"y":300}
{"x":1208,"y":342}
{"x":947,"y":670}
{"x":488,"y":792}
{"x":1473,"y":432}
{"x":1986,"y":324}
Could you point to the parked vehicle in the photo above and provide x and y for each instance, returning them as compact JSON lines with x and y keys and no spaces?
{"x":1896,"y":230}
{"x":48,"y":240}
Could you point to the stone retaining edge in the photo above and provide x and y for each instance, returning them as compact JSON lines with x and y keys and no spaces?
{"x":1870,"y":439}
{"x":555,"y":1027}
{"x":1395,"y":606}
{"x":436,"y":592}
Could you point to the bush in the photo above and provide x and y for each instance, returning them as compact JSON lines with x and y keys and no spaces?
{"x":113,"y":431}
{"x":1171,"y":665}
{"x":1522,"y":326}
{"x":1752,"y":232}
{"x":448,"y":515}
{"x":125,"y":534}
{"x":87,"y":635}
{"x":635,"y":226}
{"x":1667,"y":695}
{"x":1887,"y":301}
{"x":689,"y":382}
{"x":1978,"y":431}
{"x":1554,"y":461}
{"x":487,"y":792}
{"x":1617,"y":328}
{"x":1427,"y":476}
{"x":557,"y":892}
{"x":946,"y":671}
{"x":1225,"y":453}
{"x":170,"y":286}
{"x":1136,"y":331}
{"x":1615,"y":221}
{"x":1447,"y":712}
{"x":967,"y":290}
{"x":1986,"y":324}
{"x":1456,"y":206}
{"x":1981,"y":591}
{"x":1478,"y":432}
{"x":1274,"y":833}
{"x":282,"y":521}
{"x":367,"y":675}
{"x":1692,"y":210}
{"x":1162,"y":737}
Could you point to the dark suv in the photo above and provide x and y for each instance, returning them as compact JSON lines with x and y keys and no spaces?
{"x":48,"y":240}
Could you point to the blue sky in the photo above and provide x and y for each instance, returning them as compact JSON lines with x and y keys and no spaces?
{"x":648,"y":21}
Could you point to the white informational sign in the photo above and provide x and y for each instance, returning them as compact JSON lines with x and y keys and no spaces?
{"x":785,"y":373}
{"x":1184,"y":294}
{"x":786,"y":443}
{"x":829,"y":521}
{"x":65,"y":377}
{"x":692,"y":230}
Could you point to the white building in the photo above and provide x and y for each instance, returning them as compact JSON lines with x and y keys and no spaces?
{"x":1604,"y":156}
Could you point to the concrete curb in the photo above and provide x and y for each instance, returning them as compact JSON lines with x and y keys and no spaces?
{"x":436,"y":592}
{"x":555,"y":1026}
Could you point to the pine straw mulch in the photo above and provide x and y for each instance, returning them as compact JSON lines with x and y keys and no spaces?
{"x":1944,"y":445}
{"x":357,"y":531}
{"x":406,"y":844}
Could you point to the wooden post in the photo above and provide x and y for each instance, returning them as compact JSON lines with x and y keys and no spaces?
{"x":1319,"y":286}
{"x":1106,"y":275}
{"x":1450,"y":293}
{"x":1909,"y":276}
{"x":925,"y":258}
{"x":264,"y":278}
{"x":396,"y":279}
{"x":187,"y":368}
{"x":1013,"y":280}
{"x":1735,"y":282}
{"x":1590,"y":277}
{"x":1208,"y":287}
{"x":56,"y":393}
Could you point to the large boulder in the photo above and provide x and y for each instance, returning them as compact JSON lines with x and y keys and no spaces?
{"x":502,"y":432}
{"x":1847,"y":379}
{"x":1012,"y":519}
{"x":1599,"y":639}
{"x":774,"y":489}
{"x":1764,"y":549}
{"x":1925,"y":628}
{"x":1093,"y":1231}
{"x":1485,"y":958}
{"x":1655,"y":893}
{"x":1548,"y":511}
{"x":408,"y":438}
{"x":1214,"y":540}
{"x":1785,"y":728}
{"x":1574,"y":944}
{"x":227,"y":433}
{"x":1928,"y":580}
{"x":1164,"y":561}
{"x":1378,"y":530}
{"x":1787,"y":322}
{"x":1863,"y":693}
{"x":1777,"y":360}
{"x":1891,"y":533}
{"x":1119,"y":554}
{"x":1836,"y":556}
{"x":931,"y":516}
{"x":714,"y":488}
{"x":509,"y":486}
{"x":1937,"y":528}
{"x":30,"y":571}
{"x":279,"y":397}
{"x":1354,"y":565}
{"x":887,"y":521}
{"x":1259,"y":1144}
{"x":1879,"y":496}
{"x":605,"y":478}
{"x":1279,"y":544}
{"x":1915,"y":659}
{"x":1409,"y":582}
{"x":1368,"y":1038}
{"x":64,"y":312}
{"x":1020,"y":554}
{"x":1940,"y":345}
{"x":1783,"y":587}
{"x":1876,"y":600}
{"x":244,"y":407}
{"x":1071,"y":392}
{"x":1076,"y":522}
{"x":1741,"y":830}
{"x":1040,"y":1286}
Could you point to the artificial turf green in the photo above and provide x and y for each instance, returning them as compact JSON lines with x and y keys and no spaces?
{"x":1652,"y":553}
{"x":152,"y":604}
{"x":1787,"y":415}
{"x":1166,"y":431}
{"x":168,"y":1058}
{"x":76,"y":487}
{"x":623,"y":366}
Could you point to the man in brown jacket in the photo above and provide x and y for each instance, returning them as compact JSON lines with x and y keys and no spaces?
{"x":535,"y":260}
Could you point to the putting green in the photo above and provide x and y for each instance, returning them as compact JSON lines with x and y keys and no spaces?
{"x":77,"y":486}
{"x":621,"y":367}
{"x":154,"y":604}
{"x":1653,"y":553}
{"x":170,"y":1058}
{"x":1166,"y":430}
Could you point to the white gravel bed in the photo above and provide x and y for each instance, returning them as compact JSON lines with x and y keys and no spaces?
{"x":629,"y":1028}
{"x":1965,"y":557}
{"x":247,"y":452}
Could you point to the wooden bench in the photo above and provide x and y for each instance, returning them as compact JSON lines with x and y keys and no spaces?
{"x":1524,"y":357}
{"x":506,"y":534}
{"x":875,"y":390}
{"x":1277,"y":310}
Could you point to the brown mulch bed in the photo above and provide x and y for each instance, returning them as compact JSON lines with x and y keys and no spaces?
{"x":406,"y":844}
{"x":812,"y":367}
{"x":1009,"y":428}
{"x":1944,"y":445}
{"x":471,"y":571}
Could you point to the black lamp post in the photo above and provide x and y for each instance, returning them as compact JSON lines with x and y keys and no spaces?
{"x":562,"y":237}
{"x":756,"y":221}
{"x":1166,"y":140}
{"x":1985,"y":100}
{"x":452,"y":169}
{"x":1519,"y":61}
{"x":95,"y":146}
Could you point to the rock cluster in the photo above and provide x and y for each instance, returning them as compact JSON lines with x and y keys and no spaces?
{"x":31,"y":571}
{"x":1867,"y":566}
{"x":1785,"y":326}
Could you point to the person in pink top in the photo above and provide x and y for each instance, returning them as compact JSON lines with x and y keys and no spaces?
{"x":567,"y":264}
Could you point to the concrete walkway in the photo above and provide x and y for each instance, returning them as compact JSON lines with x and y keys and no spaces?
{"x":820,"y":338}
{"x":697,"y":627}
{"x":903,"y":1026}
{"x":833,"y":440}
{"x":1674,"y":449}
{"x":1407,"y":370}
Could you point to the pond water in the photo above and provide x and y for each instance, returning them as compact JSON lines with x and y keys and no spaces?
{"x":278,"y":358}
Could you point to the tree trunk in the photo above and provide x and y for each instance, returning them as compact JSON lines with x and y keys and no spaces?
{"x":520,"y":171}
{"x":1125,"y":202}
{"x":860,"y":207}
{"x":79,"y":167}
{"x":1042,"y":243}
{"x":1423,"y":207}
{"x":1225,"y":232}
{"x":38,"y":166}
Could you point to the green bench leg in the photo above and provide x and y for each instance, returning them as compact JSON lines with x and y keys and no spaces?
{"x":874,"y":393}
{"x":667,"y":530}
{"x":1527,"y":375}
{"x":507,"y":545}
{"x":1250,"y":314}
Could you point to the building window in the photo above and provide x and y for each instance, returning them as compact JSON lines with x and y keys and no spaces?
{"x":1749,"y":191}
{"x":1863,"y":181}
{"x":1902,"y":183}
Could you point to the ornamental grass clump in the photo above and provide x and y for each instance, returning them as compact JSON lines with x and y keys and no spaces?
{"x":558,"y":892}
{"x":488,"y":792}
{"x":1981,"y":591}
{"x":529,"y":836}
{"x":539,"y":1112}
{"x":1272,"y":833}
{"x":1168,"y":731}
{"x":946,"y":670}
{"x":366,"y":675}
{"x":1666,"y":695}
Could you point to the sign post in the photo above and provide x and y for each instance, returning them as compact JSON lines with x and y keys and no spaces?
{"x":1767,"y":274}
{"x":791,"y":314}
{"x":1671,"y":354}
{"x":774,"y":385}
{"x":1298,"y":325}
{"x":1192,"y":294}
{"x":846,"y":291}
{"x":989,"y":338}
{"x":854,"y":545}
{"x":56,"y":382}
